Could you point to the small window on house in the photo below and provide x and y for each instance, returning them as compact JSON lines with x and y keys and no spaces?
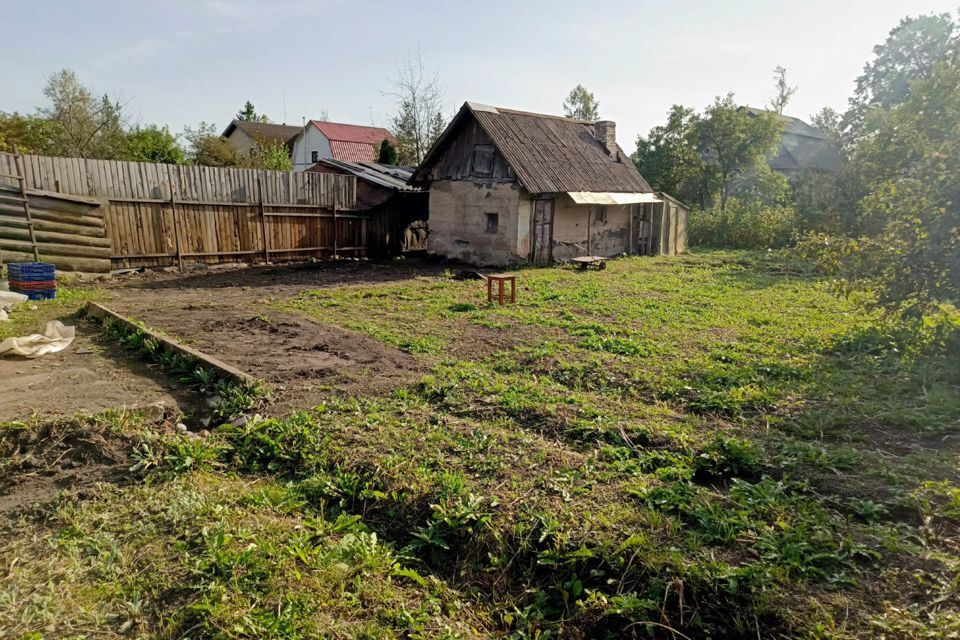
{"x":600,"y":215}
{"x":492,"y":221}
{"x":483,"y":160}
{"x":314,"y":156}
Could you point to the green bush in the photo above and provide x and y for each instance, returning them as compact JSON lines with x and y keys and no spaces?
{"x":744,"y":225}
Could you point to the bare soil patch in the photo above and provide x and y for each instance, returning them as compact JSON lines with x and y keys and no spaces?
{"x":283,"y":280}
{"x":226,"y":314}
{"x":303,"y":361}
{"x":86,"y":378}
{"x":40,"y":462}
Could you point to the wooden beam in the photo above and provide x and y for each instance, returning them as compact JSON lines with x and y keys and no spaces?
{"x":589,"y":230}
{"x":340,"y":216}
{"x":225,"y":370}
{"x":335,"y":226}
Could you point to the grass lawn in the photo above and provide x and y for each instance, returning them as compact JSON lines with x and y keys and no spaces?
{"x":705,"y":446}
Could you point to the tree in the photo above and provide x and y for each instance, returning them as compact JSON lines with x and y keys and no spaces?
{"x":249,"y":113}
{"x":207,"y":147}
{"x":437,"y":127}
{"x":273,"y":155}
{"x":154,"y":144}
{"x":828,"y":122}
{"x":907,"y":247}
{"x":86,"y":126}
{"x":909,"y":54}
{"x":914,"y":261}
{"x":784,"y":91}
{"x":387,"y":153}
{"x":581,"y":104}
{"x":668,"y":157}
{"x":734,"y":141}
{"x":419,"y":120}
{"x":29,"y":134}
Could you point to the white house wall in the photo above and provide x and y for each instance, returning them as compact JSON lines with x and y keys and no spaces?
{"x":306,"y":143}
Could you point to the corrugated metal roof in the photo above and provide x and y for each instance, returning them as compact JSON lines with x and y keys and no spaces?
{"x":384,"y":175}
{"x":549,"y":154}
{"x":596,"y":197}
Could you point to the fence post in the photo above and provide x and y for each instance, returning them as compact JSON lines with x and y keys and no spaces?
{"x":176,"y":222}
{"x":263,"y":220}
{"x":335,"y":199}
{"x":21,"y":176}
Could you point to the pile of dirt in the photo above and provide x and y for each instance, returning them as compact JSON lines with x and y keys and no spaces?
{"x":39,"y":462}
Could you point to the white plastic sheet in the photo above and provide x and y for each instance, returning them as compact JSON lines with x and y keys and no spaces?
{"x":57,"y":337}
{"x":8,"y":300}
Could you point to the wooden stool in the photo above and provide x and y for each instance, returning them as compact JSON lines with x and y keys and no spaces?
{"x":501,"y":278}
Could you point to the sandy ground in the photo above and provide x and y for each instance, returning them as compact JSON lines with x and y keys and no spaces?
{"x":86,"y":378}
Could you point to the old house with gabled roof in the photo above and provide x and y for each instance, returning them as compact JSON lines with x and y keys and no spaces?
{"x":345,"y":142}
{"x":248,"y":136}
{"x":509,"y":186}
{"x":802,"y":147}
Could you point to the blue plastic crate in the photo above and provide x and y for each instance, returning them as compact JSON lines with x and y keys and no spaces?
{"x":40,"y":295}
{"x":31,"y":271}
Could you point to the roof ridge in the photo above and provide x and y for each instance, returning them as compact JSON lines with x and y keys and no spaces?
{"x":257,"y":123}
{"x":347,"y":124}
{"x":478,"y":106}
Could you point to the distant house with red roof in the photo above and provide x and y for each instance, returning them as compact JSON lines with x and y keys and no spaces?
{"x":345,"y":142}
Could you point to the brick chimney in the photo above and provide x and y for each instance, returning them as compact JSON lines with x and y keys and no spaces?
{"x":605,"y":131}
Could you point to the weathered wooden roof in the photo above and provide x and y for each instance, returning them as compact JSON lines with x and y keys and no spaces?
{"x":548,"y":154}
{"x":264,"y":131}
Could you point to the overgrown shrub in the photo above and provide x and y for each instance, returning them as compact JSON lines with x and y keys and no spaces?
{"x":744,"y":225}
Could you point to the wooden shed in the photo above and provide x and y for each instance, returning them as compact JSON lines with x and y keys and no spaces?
{"x":397,"y":211}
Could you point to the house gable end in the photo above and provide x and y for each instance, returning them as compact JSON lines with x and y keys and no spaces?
{"x":470,"y":154}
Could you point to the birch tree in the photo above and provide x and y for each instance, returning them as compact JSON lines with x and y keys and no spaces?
{"x":419,"y":121}
{"x":581,"y":104}
{"x":783,"y":91}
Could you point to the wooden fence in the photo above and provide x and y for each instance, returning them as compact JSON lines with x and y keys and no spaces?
{"x":161,"y":215}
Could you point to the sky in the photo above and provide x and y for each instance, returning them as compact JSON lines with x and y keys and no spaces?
{"x":177,"y":62}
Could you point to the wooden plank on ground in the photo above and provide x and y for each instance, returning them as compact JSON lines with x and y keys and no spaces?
{"x":223,"y":369}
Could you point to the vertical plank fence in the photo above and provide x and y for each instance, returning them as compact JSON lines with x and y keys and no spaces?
{"x":160,"y":215}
